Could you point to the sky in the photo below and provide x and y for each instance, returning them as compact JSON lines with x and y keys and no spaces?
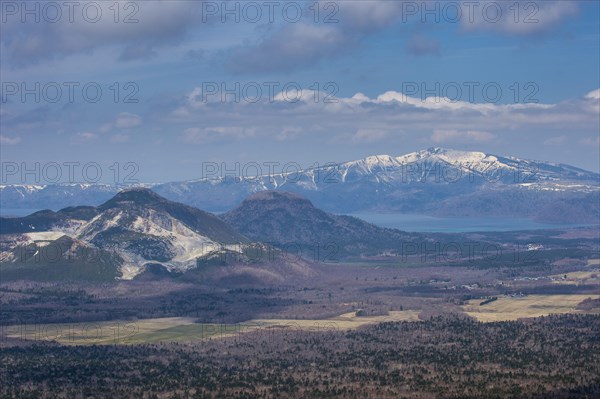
{"x":158,"y":89}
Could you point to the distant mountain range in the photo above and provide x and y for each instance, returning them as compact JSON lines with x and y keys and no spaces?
{"x":436,"y":181}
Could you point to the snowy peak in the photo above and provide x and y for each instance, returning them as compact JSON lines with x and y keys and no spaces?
{"x":464,"y":159}
{"x":141,"y":227}
{"x":454,"y":157}
{"x":134,"y":203}
{"x":414,"y":182}
{"x":481,"y":163}
{"x":378,"y":160}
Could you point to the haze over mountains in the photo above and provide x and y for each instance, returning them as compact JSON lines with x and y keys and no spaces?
{"x":436,"y":181}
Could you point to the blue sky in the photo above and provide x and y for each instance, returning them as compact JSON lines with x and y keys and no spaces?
{"x":376,"y":77}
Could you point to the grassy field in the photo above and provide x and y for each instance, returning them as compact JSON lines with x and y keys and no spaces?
{"x":182,"y":329}
{"x":513,"y":308}
{"x":95,"y":333}
{"x":345,"y":321}
{"x":581,"y":277}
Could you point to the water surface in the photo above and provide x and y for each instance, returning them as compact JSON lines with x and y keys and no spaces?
{"x":431,"y":224}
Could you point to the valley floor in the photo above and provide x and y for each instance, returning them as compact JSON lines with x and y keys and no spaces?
{"x":369,"y":328}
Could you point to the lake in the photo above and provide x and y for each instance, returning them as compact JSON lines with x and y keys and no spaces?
{"x":431,"y":224}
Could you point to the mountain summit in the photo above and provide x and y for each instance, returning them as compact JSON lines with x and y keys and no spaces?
{"x":138,"y":227}
{"x":288,"y":219}
{"x":138,"y":196}
{"x":134,"y":204}
{"x":436,"y":181}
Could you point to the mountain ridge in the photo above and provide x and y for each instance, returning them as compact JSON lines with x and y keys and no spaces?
{"x":436,"y":181}
{"x":137,"y":225}
{"x":290,"y":221}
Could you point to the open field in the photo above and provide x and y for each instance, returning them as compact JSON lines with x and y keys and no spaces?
{"x":94,"y":333}
{"x":183,"y":329}
{"x":345,"y":321}
{"x":513,"y":308}
{"x":581,"y":277}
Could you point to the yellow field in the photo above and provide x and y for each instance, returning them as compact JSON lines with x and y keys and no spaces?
{"x":343,"y":322}
{"x":507,"y":308}
{"x":591,"y":262}
{"x":94,"y":333}
{"x":182,"y":329}
{"x":589,"y":277}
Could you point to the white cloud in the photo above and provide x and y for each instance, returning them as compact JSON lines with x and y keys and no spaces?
{"x":368,"y":135}
{"x":126,"y":120}
{"x":6,"y":140}
{"x":202,"y":135}
{"x":365,"y":16}
{"x":84,"y":137}
{"x":140,"y":29}
{"x":305,"y":43}
{"x":105,"y":128}
{"x":593,"y":95}
{"x":452,"y":136}
{"x":288,"y":133}
{"x":294,"y":46}
{"x":370,"y":117}
{"x":594,"y":142}
{"x":516,"y":18}
{"x":443,"y":103}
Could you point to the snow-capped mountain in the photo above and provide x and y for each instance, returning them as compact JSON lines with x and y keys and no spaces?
{"x":435,"y":181}
{"x":138,"y":227}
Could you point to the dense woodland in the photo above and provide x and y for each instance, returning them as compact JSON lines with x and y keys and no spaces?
{"x":451,"y":357}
